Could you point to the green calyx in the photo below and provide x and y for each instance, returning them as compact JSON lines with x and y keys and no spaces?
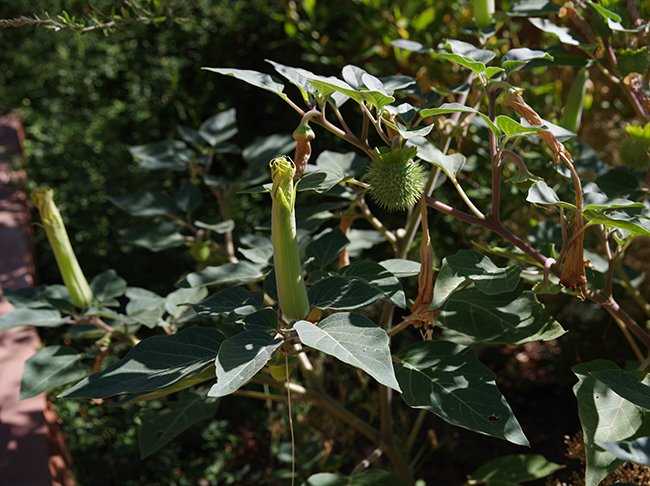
{"x":292,"y":293}
{"x":396,"y":180}
{"x":304,"y":131}
{"x":73,"y":277}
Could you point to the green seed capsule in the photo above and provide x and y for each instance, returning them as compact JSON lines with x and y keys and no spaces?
{"x":484,"y":13}
{"x":396,"y":180}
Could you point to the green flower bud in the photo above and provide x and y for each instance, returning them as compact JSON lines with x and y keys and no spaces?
{"x":292,"y":293}
{"x":396,"y":180}
{"x":483,"y":13}
{"x":73,"y":277}
{"x":575,"y":102}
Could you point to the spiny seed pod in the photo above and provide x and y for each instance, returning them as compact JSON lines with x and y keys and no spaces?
{"x":303,"y":135}
{"x":635,"y":148}
{"x":396,"y":180}
{"x":483,"y":13}
{"x":575,"y":102}
{"x":74,"y":279}
{"x":292,"y":293}
{"x":633,"y":61}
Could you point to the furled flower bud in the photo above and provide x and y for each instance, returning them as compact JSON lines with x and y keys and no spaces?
{"x":292,"y":293}
{"x":73,"y":277}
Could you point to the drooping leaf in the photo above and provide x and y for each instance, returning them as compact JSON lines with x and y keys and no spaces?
{"x":377,"y":276}
{"x":107,"y":286}
{"x":229,"y":299}
{"x":155,"y":363}
{"x":540,"y":193}
{"x":295,"y":78}
{"x":631,"y":221}
{"x":254,"y":78}
{"x":159,"y":427}
{"x":178,"y":303}
{"x":467,"y":267}
{"x":518,"y":58}
{"x":321,"y":180}
{"x":637,"y":451}
{"x":355,"y":340}
{"x":154,"y":236}
{"x":325,"y":247}
{"x":219,"y":128}
{"x":145,"y":307}
{"x":239,"y":273}
{"x":564,"y":34}
{"x":50,"y":367}
{"x":508,"y":318}
{"x":188,"y":198}
{"x":341,"y":293}
{"x":240,"y":358}
{"x":467,"y":55}
{"x":219,"y":228}
{"x":31,"y":317}
{"x":401,"y":268}
{"x":448,"y":380}
{"x":446,"y":108}
{"x":514,"y":470}
{"x":511,"y":128}
{"x":451,"y":164}
{"x":605,"y":416}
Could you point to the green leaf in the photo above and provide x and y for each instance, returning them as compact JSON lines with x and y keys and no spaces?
{"x":329,"y":85}
{"x":631,"y":221}
{"x":349,"y":163}
{"x":466,"y":267}
{"x":564,"y":34}
{"x":628,"y":384}
{"x":377,"y":276}
{"x":219,"y":128}
{"x":154,"y":236}
{"x":219,"y":228}
{"x":513,"y":470}
{"x":159,"y":427}
{"x":637,"y":451}
{"x":240,"y":358}
{"x":108,"y":285}
{"x":260,"y":151}
{"x":605,"y":417}
{"x":518,"y":58}
{"x":410,"y":46}
{"x":49,"y":368}
{"x":375,"y":477}
{"x":166,"y":155}
{"x":326,"y":246}
{"x":451,"y":165}
{"x":31,"y":317}
{"x":401,"y":268}
{"x":189,"y":197}
{"x":512,"y":128}
{"x":259,"y":80}
{"x":340,"y":293}
{"x":294,"y":77}
{"x":532,"y":8}
{"x":239,"y":273}
{"x":155,"y":363}
{"x":467,"y":55}
{"x":326,"y":479}
{"x":355,"y":340}
{"x":540,"y":193}
{"x":448,"y":380}
{"x":605,"y":13}
{"x":509,"y":318}
{"x":230,"y":299}
{"x":321,"y":180}
{"x":447,"y":108}
{"x":145,"y":204}
{"x":178,"y":302}
{"x":145,"y":307}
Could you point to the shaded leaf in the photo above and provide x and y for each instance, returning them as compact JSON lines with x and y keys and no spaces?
{"x":108,"y":285}
{"x":637,"y":451}
{"x":229,"y":299}
{"x":355,"y":340}
{"x":446,"y":108}
{"x":254,"y":78}
{"x":145,"y":204}
{"x":401,"y":268}
{"x":31,"y":317}
{"x":239,"y":273}
{"x":49,"y":368}
{"x":219,"y":128}
{"x":448,"y":380}
{"x":154,"y":236}
{"x":513,"y":470}
{"x":325,"y":247}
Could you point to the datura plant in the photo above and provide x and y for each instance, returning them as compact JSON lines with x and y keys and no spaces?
{"x":462,"y":219}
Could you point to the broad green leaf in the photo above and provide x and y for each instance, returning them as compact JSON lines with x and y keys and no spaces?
{"x":159,"y":427}
{"x":325,"y":247}
{"x":605,"y":13}
{"x":188,"y":198}
{"x":219,"y":128}
{"x":108,"y":285}
{"x":447,"y":108}
{"x":451,"y":165}
{"x":321,"y":180}
{"x":341,"y":293}
{"x":401,"y":268}
{"x":239,"y":273}
{"x":370,"y":477}
{"x":564,"y":34}
{"x":467,"y":55}
{"x":154,"y":236}
{"x":178,"y":302}
{"x":31,"y":317}
{"x":517,"y":58}
{"x":513,"y":470}
{"x":166,"y":155}
{"x":448,"y":380}
{"x":533,"y":8}
{"x":594,"y":201}
{"x":630,"y":221}
{"x":145,"y":204}
{"x":377,"y":276}
{"x":630,"y":384}
{"x":410,"y":46}
{"x":263,"y":319}
{"x":637,"y":451}
{"x":326,"y":479}
{"x":294,"y":77}
{"x":620,"y":181}
{"x":156,"y":362}
{"x":467,"y":267}
{"x":260,"y":151}
{"x":145,"y":307}
{"x":229,"y":299}
{"x":49,"y":368}
{"x":349,"y":163}
{"x":259,"y":80}
{"x":219,"y":228}
{"x":355,"y":340}
{"x":605,"y":417}
{"x":509,"y":318}
{"x":540,"y":193}
{"x":511,"y":128}
{"x":240,"y":358}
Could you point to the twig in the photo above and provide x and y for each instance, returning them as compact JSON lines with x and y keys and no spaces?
{"x":375,"y":223}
